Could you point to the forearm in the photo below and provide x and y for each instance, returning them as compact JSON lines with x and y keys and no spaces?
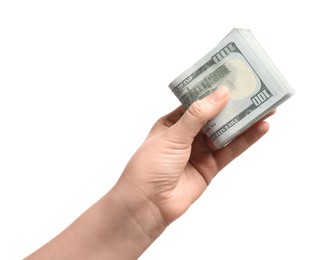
{"x":113,"y":228}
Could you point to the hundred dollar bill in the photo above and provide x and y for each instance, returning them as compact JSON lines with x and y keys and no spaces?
{"x":255,"y":84}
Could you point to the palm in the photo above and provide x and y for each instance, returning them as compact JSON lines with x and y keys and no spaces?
{"x":200,"y":164}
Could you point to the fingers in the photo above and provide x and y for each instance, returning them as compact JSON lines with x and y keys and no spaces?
{"x":198,"y":114}
{"x":269,"y":114}
{"x":228,"y":153}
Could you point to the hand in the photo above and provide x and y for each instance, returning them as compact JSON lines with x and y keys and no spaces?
{"x":177,"y":161}
{"x":165,"y":176}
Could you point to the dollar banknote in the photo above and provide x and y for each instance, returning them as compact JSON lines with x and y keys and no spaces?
{"x":256,"y":86}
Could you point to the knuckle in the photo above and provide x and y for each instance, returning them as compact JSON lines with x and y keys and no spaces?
{"x":198,"y":110}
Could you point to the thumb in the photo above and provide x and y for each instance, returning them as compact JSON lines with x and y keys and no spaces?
{"x":198,"y":114}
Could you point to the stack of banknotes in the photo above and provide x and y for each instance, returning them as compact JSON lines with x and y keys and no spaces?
{"x":255,"y":84}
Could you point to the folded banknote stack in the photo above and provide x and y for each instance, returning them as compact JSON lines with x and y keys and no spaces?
{"x":255,"y":84}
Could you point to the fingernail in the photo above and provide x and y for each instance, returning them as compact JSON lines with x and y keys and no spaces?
{"x":220,"y":94}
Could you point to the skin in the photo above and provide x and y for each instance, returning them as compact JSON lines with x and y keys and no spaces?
{"x":169,"y":171}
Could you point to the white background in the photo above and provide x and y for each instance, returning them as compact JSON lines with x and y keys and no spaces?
{"x":82,"y":82}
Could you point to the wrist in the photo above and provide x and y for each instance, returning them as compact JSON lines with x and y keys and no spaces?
{"x":138,"y":211}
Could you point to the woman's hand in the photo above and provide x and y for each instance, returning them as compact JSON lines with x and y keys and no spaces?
{"x":165,"y":176}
